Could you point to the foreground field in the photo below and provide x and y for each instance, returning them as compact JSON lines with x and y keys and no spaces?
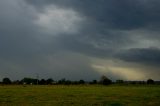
{"x":84,"y":95}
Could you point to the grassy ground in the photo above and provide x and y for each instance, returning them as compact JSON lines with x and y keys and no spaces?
{"x":80,"y":95}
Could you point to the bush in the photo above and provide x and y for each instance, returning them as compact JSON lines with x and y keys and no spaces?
{"x":6,"y":81}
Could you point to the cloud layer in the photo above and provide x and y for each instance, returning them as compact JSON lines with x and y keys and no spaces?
{"x":80,"y":39}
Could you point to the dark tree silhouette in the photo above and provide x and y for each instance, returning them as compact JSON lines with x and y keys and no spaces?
{"x":29,"y":81}
{"x":93,"y":82}
{"x":68,"y":82}
{"x":150,"y":81}
{"x":49,"y":81}
{"x":6,"y":81}
{"x":17,"y":82}
{"x":105,"y":81}
{"x":81,"y":81}
{"x":119,"y":81}
{"x":62,"y":81}
{"x":42,"y":82}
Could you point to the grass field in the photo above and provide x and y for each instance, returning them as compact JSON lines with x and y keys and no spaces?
{"x":80,"y":95}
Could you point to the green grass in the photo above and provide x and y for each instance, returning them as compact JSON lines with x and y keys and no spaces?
{"x":80,"y":95}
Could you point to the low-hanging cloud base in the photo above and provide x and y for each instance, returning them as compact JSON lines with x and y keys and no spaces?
{"x":80,"y":39}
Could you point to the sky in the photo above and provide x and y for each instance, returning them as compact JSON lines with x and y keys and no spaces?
{"x":80,"y":39}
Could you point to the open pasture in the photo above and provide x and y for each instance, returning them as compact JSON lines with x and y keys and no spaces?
{"x":79,"y":95}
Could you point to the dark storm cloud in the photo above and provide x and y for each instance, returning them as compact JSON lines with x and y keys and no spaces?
{"x":37,"y":36}
{"x":16,"y":29}
{"x":149,"y":56}
{"x":105,"y":22}
{"x":126,"y":14}
{"x":26,"y":50}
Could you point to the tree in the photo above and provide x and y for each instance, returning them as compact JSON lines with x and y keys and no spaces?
{"x":6,"y":81}
{"x":68,"y":82}
{"x":42,"y":82}
{"x":119,"y":81}
{"x":49,"y":81}
{"x":29,"y":81}
{"x":62,"y":81}
{"x":105,"y":81}
{"x":81,"y":81}
{"x":16,"y":82}
{"x":150,"y":81}
{"x":93,"y":82}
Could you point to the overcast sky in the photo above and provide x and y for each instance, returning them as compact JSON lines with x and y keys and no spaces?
{"x":80,"y":39}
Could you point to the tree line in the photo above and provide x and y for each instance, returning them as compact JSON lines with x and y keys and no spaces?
{"x":103,"y":80}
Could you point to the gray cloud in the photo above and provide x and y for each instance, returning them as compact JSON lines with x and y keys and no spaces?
{"x":149,"y":56}
{"x":63,"y":38}
{"x":127,"y":14}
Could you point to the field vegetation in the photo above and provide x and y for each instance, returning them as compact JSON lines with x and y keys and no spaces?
{"x":80,"y":95}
